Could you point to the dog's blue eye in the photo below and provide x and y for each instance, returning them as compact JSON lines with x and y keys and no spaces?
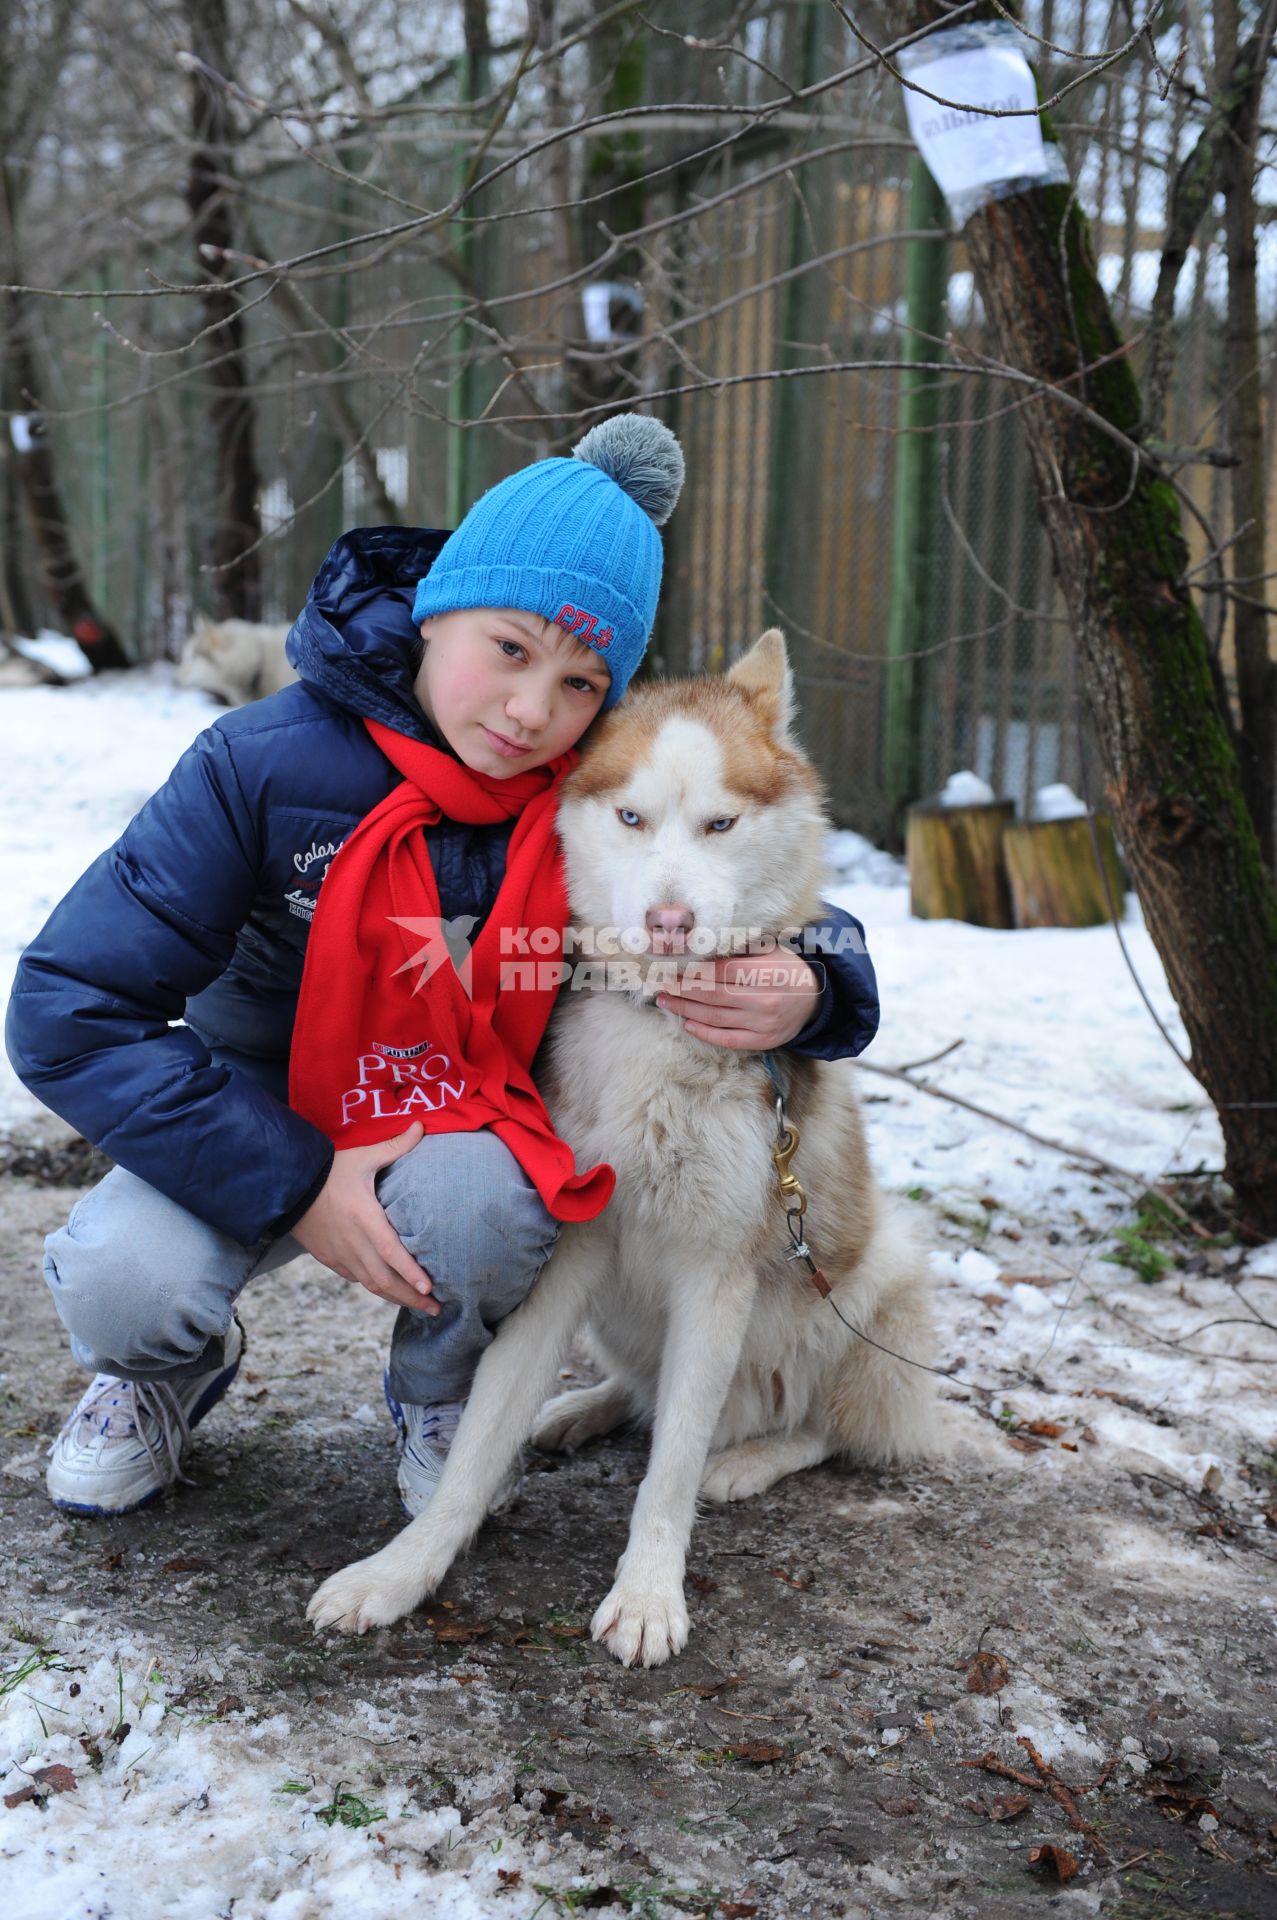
{"x":628,"y":817}
{"x":724,"y":821}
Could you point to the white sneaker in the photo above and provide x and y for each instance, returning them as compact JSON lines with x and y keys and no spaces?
{"x":124,"y":1443}
{"x":425,"y":1434}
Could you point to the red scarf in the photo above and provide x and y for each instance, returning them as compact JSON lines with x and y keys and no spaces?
{"x":386,"y":1032}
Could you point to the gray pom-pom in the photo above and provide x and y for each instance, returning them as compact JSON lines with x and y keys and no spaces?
{"x":643,"y":458}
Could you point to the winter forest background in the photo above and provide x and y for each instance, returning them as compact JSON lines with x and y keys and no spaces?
{"x":484,"y":226}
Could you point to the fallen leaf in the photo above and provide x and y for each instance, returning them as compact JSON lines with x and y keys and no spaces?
{"x":898,"y":1809}
{"x":509,"y":1876}
{"x":987,"y":1673}
{"x":737,"y":1909}
{"x":460,"y":1632}
{"x":1182,"y":1798}
{"x":231,"y":1704}
{"x":57,"y":1778}
{"x":1063,"y":1863}
{"x":758,"y":1753}
{"x":1046,"y":1428}
{"x":186,"y":1563}
{"x":1007,"y":1806}
{"x":706,"y":1689}
{"x":701,"y":1583}
{"x":1024,"y":1446}
{"x":16,"y":1799}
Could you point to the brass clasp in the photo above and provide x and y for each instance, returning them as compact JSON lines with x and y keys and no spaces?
{"x":792,"y":1196}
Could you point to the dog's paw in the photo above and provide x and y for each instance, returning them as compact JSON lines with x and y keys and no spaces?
{"x":738,"y":1473}
{"x":365,"y":1594}
{"x":570,"y":1419}
{"x":641,"y":1628}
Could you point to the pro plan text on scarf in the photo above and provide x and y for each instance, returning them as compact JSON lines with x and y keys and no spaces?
{"x":386,"y":1031}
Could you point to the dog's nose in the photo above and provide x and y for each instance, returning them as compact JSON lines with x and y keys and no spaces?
{"x":668,"y":928}
{"x":678,"y":918}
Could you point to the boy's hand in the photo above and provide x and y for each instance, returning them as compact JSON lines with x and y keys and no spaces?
{"x":347,"y":1229}
{"x":752,"y":1001}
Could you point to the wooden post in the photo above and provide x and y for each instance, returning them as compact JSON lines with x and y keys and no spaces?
{"x":956,"y":870}
{"x":1055,"y":878}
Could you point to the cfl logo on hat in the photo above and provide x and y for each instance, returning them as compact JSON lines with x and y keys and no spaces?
{"x":577,"y":620}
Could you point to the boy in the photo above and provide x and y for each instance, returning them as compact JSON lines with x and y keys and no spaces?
{"x":266,"y":1085}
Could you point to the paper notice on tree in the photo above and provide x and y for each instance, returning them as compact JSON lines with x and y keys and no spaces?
{"x":967,"y":149}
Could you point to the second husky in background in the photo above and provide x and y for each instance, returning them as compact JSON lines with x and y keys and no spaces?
{"x":692,"y":809}
{"x":235,"y":660}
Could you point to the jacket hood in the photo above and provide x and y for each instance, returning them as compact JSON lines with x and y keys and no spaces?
{"x":354,"y":641}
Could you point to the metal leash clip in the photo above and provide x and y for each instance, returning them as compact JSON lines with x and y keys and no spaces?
{"x":792,"y":1196}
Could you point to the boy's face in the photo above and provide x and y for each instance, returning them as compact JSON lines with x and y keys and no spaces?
{"x":507,"y":690}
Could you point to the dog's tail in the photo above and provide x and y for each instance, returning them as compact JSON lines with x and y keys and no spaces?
{"x":882,"y":1407}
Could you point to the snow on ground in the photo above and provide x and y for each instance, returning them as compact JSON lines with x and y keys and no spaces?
{"x":76,"y":763}
{"x":151,"y":1765}
{"x":1171,"y":1379}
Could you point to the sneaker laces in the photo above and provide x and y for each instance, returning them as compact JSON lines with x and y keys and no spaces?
{"x":436,"y":1424}
{"x":128,"y":1409}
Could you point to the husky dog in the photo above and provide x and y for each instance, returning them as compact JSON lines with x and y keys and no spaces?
{"x":705,"y":1326}
{"x":235,"y":660}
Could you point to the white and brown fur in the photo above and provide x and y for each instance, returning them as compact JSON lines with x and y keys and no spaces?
{"x":705,"y":1328}
{"x":235,"y":660}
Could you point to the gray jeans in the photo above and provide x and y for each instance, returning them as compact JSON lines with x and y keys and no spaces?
{"x":146,"y":1289}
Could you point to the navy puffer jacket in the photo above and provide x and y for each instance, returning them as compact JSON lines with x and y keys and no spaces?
{"x":155,"y":1009}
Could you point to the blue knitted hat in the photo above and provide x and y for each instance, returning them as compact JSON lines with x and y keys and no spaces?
{"x":574,"y":540}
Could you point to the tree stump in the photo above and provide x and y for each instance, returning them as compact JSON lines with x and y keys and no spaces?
{"x":956,"y":870}
{"x":1055,"y":877}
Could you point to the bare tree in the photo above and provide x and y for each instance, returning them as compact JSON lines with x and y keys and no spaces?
{"x":212,"y":197}
{"x":33,"y":50}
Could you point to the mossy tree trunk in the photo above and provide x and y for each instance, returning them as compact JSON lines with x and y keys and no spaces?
{"x":1170,"y":761}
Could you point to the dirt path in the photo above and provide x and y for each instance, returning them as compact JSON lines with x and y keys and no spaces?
{"x":815,"y":1751}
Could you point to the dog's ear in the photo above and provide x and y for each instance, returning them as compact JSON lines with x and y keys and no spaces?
{"x":764,"y":674}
